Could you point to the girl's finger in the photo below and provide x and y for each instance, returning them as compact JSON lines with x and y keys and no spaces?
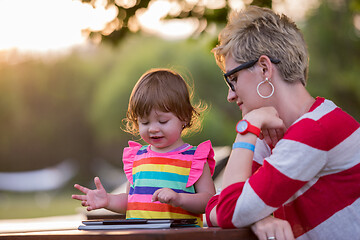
{"x":81,"y":188}
{"x":155,"y":195}
{"x":98,"y":184}
{"x":79,"y":197}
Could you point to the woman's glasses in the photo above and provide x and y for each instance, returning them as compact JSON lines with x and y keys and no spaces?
{"x":241,"y":67}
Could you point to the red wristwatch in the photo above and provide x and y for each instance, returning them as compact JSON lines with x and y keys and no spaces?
{"x":243,"y":127}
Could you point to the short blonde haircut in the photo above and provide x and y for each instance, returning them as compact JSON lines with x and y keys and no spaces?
{"x":164,"y":90}
{"x":259,"y":31}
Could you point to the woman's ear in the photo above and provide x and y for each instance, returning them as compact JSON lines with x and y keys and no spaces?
{"x":266,"y":66}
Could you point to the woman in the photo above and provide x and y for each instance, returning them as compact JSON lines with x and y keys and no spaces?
{"x":310,"y":178}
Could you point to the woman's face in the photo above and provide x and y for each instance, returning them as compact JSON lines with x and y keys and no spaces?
{"x":245,"y":82}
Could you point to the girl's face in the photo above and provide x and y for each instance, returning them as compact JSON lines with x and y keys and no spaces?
{"x":162,"y":130}
{"x":245,"y":82}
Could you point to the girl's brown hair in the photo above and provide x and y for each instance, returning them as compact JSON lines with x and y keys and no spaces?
{"x":164,"y":90}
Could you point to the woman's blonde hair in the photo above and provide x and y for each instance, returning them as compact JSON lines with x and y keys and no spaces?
{"x":259,"y":31}
{"x":164,"y":90}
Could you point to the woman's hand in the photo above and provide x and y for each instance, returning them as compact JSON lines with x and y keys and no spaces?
{"x":272,"y":228}
{"x":272,"y":126}
{"x":271,"y":136}
{"x":166,"y":195}
{"x":93,"y":199}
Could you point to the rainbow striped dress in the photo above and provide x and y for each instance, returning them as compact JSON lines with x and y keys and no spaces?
{"x":148,"y":171}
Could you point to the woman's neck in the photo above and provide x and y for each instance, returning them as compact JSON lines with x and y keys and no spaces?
{"x":293,"y":103}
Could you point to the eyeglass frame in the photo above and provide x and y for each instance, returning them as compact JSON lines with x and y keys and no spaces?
{"x":241,"y":67}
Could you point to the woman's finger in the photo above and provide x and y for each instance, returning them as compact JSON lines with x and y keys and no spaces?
{"x":280,"y":234}
{"x":288,"y":234}
{"x":266,"y":136}
{"x":273,"y":136}
{"x":280,"y":133}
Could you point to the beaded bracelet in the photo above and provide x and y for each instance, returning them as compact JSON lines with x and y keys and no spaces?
{"x":245,"y":145}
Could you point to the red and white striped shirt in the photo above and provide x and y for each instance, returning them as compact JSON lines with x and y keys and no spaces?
{"x":311,"y":179}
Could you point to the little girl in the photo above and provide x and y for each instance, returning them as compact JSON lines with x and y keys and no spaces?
{"x":167,"y":178}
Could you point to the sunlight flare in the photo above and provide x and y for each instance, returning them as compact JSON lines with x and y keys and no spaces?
{"x":45,"y":25}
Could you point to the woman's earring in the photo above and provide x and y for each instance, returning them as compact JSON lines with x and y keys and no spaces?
{"x":272,"y":88}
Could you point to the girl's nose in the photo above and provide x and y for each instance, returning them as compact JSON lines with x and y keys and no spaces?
{"x":153,"y":128}
{"x":231,"y":97}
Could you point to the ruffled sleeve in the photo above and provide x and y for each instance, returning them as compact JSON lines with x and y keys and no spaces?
{"x":204,"y":153}
{"x":129,"y":154}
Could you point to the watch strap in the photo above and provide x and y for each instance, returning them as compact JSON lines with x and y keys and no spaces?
{"x":250,"y":128}
{"x":253,"y":129}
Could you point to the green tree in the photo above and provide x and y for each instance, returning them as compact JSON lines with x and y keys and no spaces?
{"x":138,"y":54}
{"x":334,"y":47}
{"x":214,"y":12}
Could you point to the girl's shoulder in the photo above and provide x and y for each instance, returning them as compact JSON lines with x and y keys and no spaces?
{"x":203,"y":153}
{"x":133,"y":148}
{"x":129,"y":155}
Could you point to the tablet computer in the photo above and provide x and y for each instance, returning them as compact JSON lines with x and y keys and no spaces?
{"x":136,"y":224}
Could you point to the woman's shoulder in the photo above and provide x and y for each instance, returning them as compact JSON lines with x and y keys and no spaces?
{"x":323,"y":118}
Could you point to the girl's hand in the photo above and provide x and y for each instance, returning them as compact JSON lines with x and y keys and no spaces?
{"x":274,"y":228}
{"x":166,"y":195}
{"x":93,"y":199}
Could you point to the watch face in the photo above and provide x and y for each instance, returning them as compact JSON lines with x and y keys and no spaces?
{"x":241,"y":126}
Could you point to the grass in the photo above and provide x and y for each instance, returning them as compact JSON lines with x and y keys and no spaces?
{"x":34,"y":205}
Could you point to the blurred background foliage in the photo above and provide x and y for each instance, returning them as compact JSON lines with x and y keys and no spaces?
{"x":72,"y":107}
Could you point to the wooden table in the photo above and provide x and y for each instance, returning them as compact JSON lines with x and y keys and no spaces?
{"x":143,"y":234}
{"x":65,"y":228}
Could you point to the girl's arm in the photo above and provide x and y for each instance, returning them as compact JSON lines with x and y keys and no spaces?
{"x":194,"y":203}
{"x":118,"y":202}
{"x":99,"y":198}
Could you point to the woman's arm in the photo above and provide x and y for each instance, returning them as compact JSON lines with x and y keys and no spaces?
{"x":230,"y":210}
{"x":210,"y":211}
{"x":238,"y":168}
{"x":292,"y":163}
{"x":194,"y":203}
{"x":263,"y":229}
